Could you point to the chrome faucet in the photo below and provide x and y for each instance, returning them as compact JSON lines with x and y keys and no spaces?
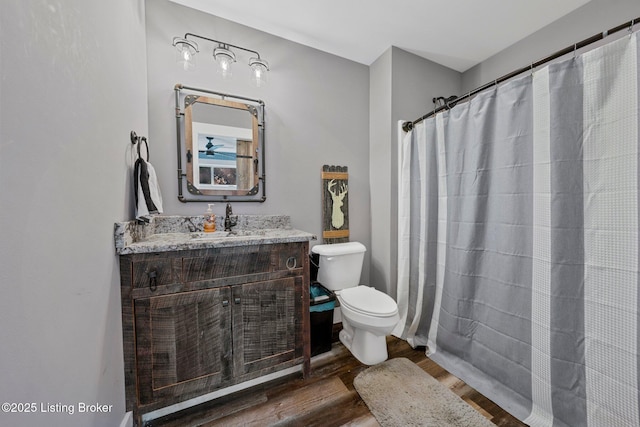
{"x":228,"y":221}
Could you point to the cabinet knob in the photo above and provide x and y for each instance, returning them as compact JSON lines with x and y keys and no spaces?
{"x":236,"y":300}
{"x":225,"y":302}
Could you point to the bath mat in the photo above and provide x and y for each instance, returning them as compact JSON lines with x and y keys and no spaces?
{"x":399,"y":393}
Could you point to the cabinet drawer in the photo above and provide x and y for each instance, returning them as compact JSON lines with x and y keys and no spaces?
{"x":227,"y":262}
{"x":288,"y":256}
{"x":153,"y":272}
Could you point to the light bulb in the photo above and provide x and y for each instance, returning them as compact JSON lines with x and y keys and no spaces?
{"x":259,"y":77}
{"x":225,"y":67}
{"x":259,"y":69}
{"x":225,"y":58}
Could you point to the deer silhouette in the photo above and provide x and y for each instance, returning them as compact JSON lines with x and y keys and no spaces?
{"x":337,"y":191}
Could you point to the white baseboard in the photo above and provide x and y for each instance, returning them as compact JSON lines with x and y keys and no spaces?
{"x":219,"y":393}
{"x":127,"y":421}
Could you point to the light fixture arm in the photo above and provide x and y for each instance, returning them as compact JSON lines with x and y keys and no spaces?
{"x":225,"y":44}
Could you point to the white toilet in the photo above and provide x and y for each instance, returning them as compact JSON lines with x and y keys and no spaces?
{"x":368,"y":315}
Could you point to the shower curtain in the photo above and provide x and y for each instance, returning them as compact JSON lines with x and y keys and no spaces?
{"x":518,"y":240}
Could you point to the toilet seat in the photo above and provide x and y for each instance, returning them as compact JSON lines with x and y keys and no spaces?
{"x":368,"y":301}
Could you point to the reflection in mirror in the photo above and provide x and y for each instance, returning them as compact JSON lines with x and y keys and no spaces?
{"x":222,"y":146}
{"x":222,"y":153}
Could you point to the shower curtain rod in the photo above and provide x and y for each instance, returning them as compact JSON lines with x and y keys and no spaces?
{"x":407,"y":126}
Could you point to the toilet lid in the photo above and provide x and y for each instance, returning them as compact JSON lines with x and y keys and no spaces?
{"x":368,"y":301}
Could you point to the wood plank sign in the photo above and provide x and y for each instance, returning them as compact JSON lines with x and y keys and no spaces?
{"x":335,"y":204}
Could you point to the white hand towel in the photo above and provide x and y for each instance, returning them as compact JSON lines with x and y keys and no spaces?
{"x":148,"y":196}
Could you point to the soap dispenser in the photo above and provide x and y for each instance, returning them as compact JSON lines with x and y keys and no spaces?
{"x":209,"y":220}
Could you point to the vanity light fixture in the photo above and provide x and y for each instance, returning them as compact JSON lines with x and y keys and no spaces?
{"x":223,"y":55}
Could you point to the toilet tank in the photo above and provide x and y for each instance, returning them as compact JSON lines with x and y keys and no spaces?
{"x":340,"y":264}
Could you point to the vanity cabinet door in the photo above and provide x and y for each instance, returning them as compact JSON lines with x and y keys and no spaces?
{"x":183,"y":344}
{"x":267,"y":324}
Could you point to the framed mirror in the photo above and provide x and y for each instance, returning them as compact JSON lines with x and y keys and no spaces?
{"x":221,"y":143}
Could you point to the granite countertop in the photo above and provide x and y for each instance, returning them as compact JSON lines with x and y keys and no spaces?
{"x":176,"y":233}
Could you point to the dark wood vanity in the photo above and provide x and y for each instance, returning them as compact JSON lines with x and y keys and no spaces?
{"x":199,"y":320}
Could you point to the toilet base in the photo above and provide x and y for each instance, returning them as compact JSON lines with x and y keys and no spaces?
{"x":368,"y":348}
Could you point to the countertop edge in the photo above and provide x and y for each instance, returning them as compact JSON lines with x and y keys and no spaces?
{"x":290,"y":236}
{"x":132,"y":237}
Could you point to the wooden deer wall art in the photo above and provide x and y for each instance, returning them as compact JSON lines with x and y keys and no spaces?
{"x":335,"y":204}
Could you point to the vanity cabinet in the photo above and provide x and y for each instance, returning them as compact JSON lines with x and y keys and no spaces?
{"x":195,"y":321}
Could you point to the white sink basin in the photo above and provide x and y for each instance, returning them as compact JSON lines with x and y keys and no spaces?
{"x":246,"y":233}
{"x":209,"y":236}
{"x":202,"y":236}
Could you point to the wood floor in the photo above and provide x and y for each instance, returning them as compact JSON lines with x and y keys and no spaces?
{"x":327,"y":398}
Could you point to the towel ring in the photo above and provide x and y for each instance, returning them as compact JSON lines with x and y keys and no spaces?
{"x":143,"y":139}
{"x":135,"y":139}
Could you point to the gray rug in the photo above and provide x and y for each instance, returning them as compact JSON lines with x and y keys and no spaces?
{"x":399,"y":393}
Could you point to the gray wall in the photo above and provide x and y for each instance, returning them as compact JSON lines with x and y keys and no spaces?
{"x":316,"y":107}
{"x":380,"y":128}
{"x":402,"y":88}
{"x":593,"y":18}
{"x":73,"y":86}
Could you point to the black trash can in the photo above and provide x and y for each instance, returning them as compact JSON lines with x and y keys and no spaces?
{"x":322,"y":303}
